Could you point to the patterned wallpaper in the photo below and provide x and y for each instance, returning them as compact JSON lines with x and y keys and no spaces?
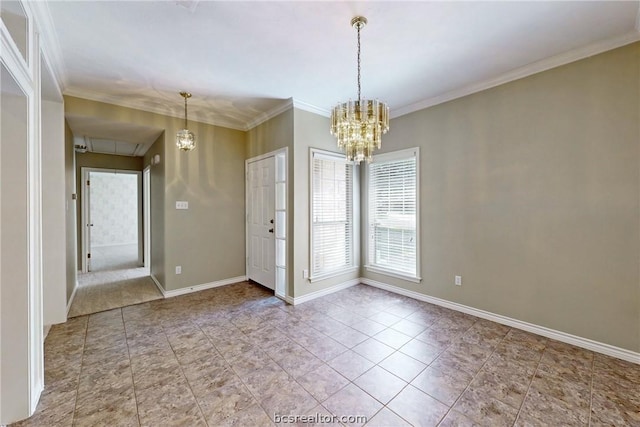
{"x":114,"y":208}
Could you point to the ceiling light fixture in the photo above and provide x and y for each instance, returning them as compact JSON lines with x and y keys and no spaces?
{"x":359,"y":125}
{"x":185,"y":139}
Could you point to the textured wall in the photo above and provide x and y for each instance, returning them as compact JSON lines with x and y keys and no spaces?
{"x":114,"y":208}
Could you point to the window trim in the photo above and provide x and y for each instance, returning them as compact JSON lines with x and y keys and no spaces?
{"x":355,"y":214}
{"x":387,"y":157}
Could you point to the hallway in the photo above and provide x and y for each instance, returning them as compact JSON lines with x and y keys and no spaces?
{"x":106,"y":290}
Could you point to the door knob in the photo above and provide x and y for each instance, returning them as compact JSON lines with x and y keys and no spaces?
{"x":271,"y":230}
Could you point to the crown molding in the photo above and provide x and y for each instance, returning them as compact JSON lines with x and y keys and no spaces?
{"x":137,"y":105}
{"x":301,"y":105}
{"x":527,"y":70}
{"x":49,"y":42}
{"x":263,"y":117}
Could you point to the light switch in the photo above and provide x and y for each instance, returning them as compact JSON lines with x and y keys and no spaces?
{"x":182,"y":205}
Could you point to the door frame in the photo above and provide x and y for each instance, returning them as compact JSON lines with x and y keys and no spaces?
{"x":86,"y":244}
{"x":146,"y":215}
{"x":281,"y":159}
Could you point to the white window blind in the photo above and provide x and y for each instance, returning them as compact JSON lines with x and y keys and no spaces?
{"x":392,"y":213}
{"x":331,"y":214}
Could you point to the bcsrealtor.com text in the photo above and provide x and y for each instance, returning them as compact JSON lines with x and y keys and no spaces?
{"x":319,"y":419}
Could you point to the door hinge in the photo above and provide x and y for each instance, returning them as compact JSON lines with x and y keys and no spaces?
{"x":88,"y":255}
{"x":88,"y":182}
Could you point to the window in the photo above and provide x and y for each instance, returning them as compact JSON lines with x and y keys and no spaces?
{"x":393,"y":214}
{"x":332,"y":243}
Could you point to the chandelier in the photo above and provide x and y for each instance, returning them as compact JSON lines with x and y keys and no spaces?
{"x":185,"y":139}
{"x":360,"y":124}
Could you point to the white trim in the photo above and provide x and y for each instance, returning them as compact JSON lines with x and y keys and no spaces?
{"x":158,"y":285}
{"x":279,"y":152}
{"x":268,"y":115}
{"x":317,"y":153}
{"x":85,"y":209}
{"x":45,"y":332}
{"x":204,"y":286}
{"x":391,"y":273}
{"x":49,"y":40}
{"x":392,"y":156}
{"x":335,"y":273}
{"x":73,"y":295}
{"x":301,"y":105}
{"x":519,"y":73}
{"x":589,"y":344}
{"x":323,"y":292}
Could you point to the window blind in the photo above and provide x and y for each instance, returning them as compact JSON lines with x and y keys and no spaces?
{"x":392,"y":213}
{"x":331,"y":214}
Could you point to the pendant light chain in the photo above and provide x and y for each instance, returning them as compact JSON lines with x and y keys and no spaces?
{"x":359,"y":94}
{"x":185,"y":112}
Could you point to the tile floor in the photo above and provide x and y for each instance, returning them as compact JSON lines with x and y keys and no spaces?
{"x":105,"y":290}
{"x":236,"y":355}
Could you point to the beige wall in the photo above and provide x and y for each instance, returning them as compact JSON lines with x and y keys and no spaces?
{"x":101,"y":161}
{"x":70,"y":212}
{"x":530,"y":191}
{"x":310,"y":131}
{"x":208,"y":239}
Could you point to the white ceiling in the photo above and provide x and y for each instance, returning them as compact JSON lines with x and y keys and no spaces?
{"x":244,"y":60}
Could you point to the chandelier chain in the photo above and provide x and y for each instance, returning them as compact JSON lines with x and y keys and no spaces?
{"x":185,"y":112}
{"x":359,"y":94}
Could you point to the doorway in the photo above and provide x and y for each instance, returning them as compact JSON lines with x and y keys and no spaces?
{"x":266,"y":227}
{"x":111,"y":218}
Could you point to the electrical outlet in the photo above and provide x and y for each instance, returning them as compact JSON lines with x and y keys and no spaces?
{"x":182,"y":205}
{"x":305,"y":274}
{"x":458,"y":280}
{"x":178,"y":269}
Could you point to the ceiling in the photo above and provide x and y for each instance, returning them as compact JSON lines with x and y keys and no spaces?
{"x":244,"y":61}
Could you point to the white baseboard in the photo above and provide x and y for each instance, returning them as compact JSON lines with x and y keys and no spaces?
{"x":155,"y":280}
{"x":73,"y":295}
{"x":45,"y":332}
{"x":197,"y":288}
{"x":586,"y":343}
{"x":323,"y":292}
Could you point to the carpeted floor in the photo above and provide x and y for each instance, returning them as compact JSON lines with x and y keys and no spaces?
{"x":105,"y":290}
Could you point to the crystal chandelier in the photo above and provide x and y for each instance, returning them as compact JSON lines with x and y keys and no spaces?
{"x":185,"y":139}
{"x":359,"y":124}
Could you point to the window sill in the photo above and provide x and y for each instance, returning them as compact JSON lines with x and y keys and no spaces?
{"x":390,"y":273}
{"x":332,"y":274}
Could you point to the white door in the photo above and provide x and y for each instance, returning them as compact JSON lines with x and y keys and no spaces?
{"x":260,"y":221}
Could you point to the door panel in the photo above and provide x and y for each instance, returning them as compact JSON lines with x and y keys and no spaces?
{"x":260,"y":220}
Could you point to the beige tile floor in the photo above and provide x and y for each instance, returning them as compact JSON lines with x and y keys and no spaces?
{"x":236,"y":355}
{"x":105,"y":290}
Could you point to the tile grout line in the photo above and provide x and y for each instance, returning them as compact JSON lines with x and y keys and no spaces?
{"x":182,"y":369}
{"x":84,"y":346}
{"x":593,"y":373}
{"x":474,"y":375}
{"x":133,"y":383}
{"x":535,"y":372}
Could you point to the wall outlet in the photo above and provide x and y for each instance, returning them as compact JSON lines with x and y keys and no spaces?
{"x":458,"y":280}
{"x":182,"y":205}
{"x":178,"y":269}
{"x":305,"y":274}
